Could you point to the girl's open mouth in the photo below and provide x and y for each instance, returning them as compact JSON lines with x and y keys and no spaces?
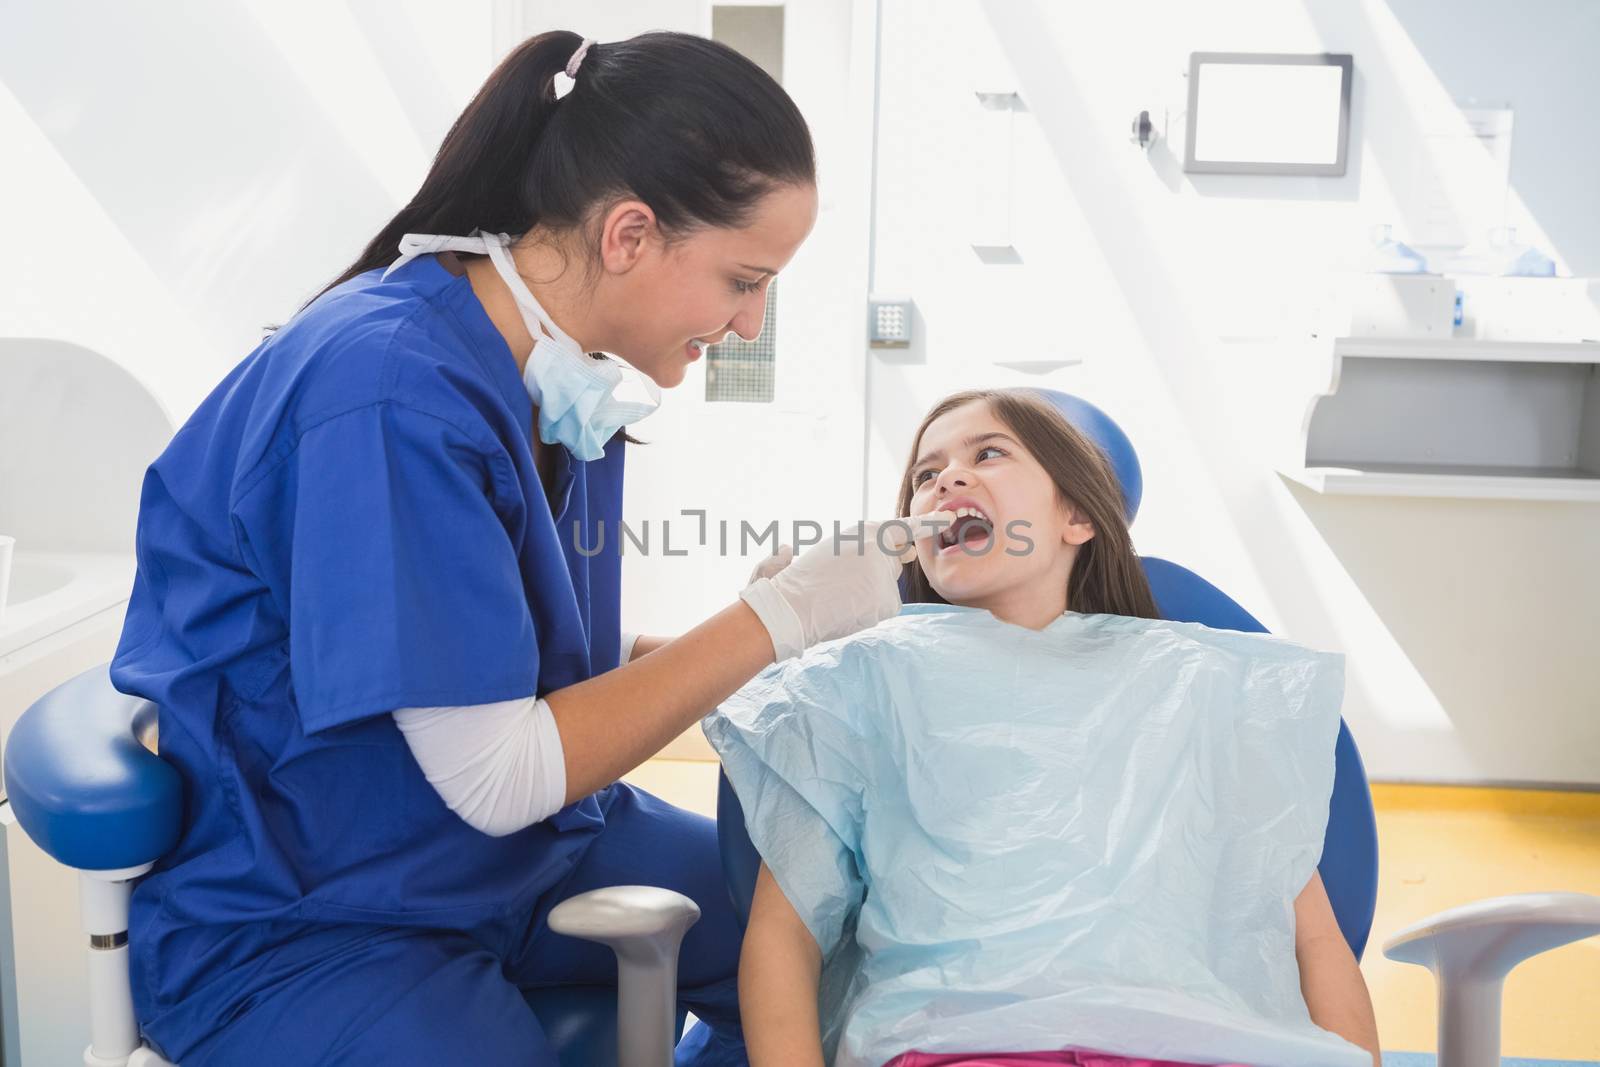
{"x":970,"y":531}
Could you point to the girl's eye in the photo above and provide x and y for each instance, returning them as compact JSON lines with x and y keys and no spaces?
{"x":990,"y":448}
{"x":744,"y":288}
{"x":920,"y":477}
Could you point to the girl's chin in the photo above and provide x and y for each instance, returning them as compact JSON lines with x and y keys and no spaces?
{"x":963,"y":593}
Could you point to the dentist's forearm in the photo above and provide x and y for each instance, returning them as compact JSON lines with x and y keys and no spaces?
{"x":615,"y":721}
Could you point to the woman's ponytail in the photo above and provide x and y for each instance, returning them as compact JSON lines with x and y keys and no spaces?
{"x":477,"y":180}
{"x":687,"y":125}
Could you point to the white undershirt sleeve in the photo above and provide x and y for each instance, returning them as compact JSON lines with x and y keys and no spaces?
{"x":628,"y":641}
{"x":498,"y":766}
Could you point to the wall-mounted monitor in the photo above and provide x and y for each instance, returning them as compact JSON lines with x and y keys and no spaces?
{"x":1268,"y":113}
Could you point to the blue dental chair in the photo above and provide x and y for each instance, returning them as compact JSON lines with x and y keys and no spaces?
{"x":1470,"y":949}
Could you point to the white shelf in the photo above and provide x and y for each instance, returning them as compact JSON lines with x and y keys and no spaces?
{"x":1471,"y":483}
{"x":1462,"y":418}
{"x":1463,"y":348}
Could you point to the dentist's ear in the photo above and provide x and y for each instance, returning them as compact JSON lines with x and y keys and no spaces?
{"x":624,"y":235}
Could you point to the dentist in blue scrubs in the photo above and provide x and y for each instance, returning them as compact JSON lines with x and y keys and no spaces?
{"x":387,"y":656}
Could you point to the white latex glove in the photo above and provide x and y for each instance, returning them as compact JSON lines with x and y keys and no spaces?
{"x":832,"y":589}
{"x":773,"y":563}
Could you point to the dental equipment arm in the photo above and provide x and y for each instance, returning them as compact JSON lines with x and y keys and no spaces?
{"x":779,"y":968}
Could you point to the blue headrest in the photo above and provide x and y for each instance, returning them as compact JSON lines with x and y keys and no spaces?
{"x":82,"y":785}
{"x":1104,"y":431}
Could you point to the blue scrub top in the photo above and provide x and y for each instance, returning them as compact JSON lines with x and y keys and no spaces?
{"x":352,"y":522}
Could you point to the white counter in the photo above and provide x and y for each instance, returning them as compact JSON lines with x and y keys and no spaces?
{"x":52,"y":591}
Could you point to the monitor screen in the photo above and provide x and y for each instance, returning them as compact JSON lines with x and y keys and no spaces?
{"x":1268,"y":114}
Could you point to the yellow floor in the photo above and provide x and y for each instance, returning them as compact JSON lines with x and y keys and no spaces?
{"x":1438,"y":847}
{"x":1441,"y":846}
{"x":689,"y":784}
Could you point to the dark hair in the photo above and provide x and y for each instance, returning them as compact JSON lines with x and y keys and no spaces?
{"x":1106,"y":577}
{"x":685,"y":124}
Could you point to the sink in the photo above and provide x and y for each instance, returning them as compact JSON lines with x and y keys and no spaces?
{"x":31,"y":579}
{"x":54,"y":591}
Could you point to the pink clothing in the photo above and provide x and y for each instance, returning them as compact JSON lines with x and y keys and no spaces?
{"x":1026,"y":1059}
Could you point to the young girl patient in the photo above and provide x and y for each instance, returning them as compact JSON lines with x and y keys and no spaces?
{"x":1026,"y":821}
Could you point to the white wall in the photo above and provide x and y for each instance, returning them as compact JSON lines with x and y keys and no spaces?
{"x":180,"y":176}
{"x":1470,"y":627}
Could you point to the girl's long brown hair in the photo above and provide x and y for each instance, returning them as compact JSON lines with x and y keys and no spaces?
{"x":1106,"y":577}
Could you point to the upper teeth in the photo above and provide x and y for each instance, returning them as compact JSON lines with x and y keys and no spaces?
{"x":947,"y":535}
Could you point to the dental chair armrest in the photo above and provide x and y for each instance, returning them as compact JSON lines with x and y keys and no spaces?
{"x":644,"y":925}
{"x":633,"y":917}
{"x":1470,"y":949}
{"x":1489,"y":937}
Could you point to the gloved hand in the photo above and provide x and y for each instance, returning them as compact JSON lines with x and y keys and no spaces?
{"x":773,"y":563}
{"x":833,"y":589}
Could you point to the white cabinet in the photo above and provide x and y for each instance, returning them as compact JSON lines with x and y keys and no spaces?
{"x":1510,"y":420}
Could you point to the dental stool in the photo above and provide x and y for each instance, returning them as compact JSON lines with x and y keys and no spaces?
{"x":1469,"y":949}
{"x":84,"y":782}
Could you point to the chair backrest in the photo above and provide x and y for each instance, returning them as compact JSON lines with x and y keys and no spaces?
{"x":82,"y":783}
{"x":1349,"y":863}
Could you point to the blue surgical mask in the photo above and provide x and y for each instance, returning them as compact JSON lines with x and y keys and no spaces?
{"x":574,"y":391}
